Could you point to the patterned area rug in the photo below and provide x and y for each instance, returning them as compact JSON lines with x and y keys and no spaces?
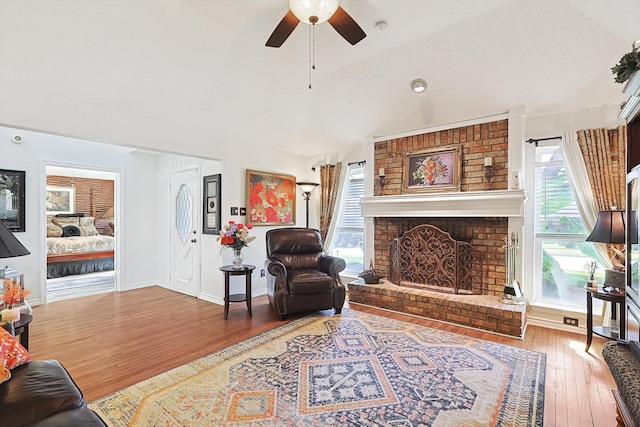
{"x":355,"y":369}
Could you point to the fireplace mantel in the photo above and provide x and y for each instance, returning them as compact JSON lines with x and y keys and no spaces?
{"x":493,"y":203}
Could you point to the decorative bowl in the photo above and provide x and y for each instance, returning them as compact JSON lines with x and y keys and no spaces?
{"x":371,"y":277}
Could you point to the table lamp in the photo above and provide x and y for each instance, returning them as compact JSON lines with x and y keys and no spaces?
{"x":9,"y":246}
{"x":610,"y":228}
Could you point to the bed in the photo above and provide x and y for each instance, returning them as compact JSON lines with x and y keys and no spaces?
{"x":74,"y":246}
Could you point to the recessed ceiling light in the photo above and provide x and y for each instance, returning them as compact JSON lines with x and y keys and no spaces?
{"x":418,"y":86}
{"x":380,"y":25}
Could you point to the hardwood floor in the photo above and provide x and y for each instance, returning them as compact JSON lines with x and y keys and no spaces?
{"x":111,"y":341}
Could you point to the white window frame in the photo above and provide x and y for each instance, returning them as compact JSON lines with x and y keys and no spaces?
{"x":538,"y":238}
{"x":343,"y":194}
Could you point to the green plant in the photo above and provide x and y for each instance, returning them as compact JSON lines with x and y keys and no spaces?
{"x":629,"y":64}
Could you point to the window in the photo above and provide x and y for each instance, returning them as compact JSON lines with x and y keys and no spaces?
{"x":349,"y":241}
{"x":560,"y":248}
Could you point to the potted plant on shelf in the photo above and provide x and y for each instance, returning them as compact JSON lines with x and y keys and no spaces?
{"x":591,"y":267}
{"x":629,"y":64}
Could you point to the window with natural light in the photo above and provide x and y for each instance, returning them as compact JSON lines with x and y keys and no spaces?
{"x":560,"y":248}
{"x":349,"y":241}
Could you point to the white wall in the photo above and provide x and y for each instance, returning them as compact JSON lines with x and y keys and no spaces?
{"x":137,"y":201}
{"x":144,"y":216}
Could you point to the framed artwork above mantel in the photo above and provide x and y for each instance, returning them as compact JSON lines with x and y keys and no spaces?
{"x":12,"y":199}
{"x":433,"y":170}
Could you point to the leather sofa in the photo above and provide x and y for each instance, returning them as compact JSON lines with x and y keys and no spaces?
{"x":300,"y":276}
{"x":41,"y":393}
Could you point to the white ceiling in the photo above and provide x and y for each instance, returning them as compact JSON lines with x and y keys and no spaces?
{"x":204,"y":64}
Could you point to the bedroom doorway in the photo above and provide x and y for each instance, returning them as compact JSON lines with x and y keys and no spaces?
{"x":80,"y":207}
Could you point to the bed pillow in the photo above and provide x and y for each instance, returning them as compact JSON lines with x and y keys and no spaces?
{"x":87,"y":226}
{"x":53,"y":230}
{"x":63,"y":221}
{"x":12,"y":353}
{"x":70,"y":231}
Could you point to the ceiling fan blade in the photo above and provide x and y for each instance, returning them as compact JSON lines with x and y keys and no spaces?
{"x":346,"y":26}
{"x":283,"y":30}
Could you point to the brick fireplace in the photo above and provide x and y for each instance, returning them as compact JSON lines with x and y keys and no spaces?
{"x":479,"y":214}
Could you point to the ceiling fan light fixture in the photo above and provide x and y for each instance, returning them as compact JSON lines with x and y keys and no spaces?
{"x":308,"y":11}
{"x":418,"y":86}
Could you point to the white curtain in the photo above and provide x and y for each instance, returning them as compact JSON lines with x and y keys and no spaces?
{"x":579,"y":179}
{"x":339,"y":209}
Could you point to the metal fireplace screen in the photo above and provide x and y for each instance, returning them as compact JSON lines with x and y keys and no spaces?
{"x":426,"y":257}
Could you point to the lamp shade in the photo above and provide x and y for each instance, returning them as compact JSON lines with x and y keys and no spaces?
{"x":9,"y":245}
{"x":610,"y":228}
{"x":307,"y":187}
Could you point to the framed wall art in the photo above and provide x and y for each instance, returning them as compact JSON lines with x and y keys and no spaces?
{"x":435,"y":169}
{"x":271,"y":198}
{"x":212,"y":186}
{"x":60,"y":200}
{"x":12,"y":197}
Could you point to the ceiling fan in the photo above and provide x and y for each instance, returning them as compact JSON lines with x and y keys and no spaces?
{"x":316,"y":12}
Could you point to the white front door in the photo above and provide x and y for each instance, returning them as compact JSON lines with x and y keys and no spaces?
{"x":184,"y":254}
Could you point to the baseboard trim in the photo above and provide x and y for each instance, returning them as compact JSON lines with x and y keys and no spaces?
{"x":550,"y":324}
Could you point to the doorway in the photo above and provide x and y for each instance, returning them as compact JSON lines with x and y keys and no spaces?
{"x":80,"y":212}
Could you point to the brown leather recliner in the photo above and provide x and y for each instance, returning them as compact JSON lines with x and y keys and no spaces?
{"x":300,"y":276}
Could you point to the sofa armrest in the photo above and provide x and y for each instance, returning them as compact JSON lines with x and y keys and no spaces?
{"x":332,"y":266}
{"x":625,"y":370}
{"x":276,"y":268}
{"x":8,"y":325}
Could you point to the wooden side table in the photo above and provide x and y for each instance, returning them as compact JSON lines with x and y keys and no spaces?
{"x":22,"y":328}
{"x":230,"y":270}
{"x":616,"y":298}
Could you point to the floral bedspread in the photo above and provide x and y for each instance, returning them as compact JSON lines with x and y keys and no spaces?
{"x":80,"y":244}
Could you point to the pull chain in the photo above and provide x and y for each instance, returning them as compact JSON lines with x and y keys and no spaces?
{"x":312,"y":46}
{"x":312,"y":50}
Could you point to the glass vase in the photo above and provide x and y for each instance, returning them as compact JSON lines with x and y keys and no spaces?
{"x":11,"y":313}
{"x":238,"y":257}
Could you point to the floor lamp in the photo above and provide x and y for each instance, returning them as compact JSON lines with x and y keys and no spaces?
{"x":307,"y":188}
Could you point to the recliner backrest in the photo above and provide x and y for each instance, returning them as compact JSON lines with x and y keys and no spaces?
{"x":296,"y":248}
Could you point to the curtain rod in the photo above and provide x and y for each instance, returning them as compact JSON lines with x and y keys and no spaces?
{"x":360,"y":163}
{"x":535,"y":141}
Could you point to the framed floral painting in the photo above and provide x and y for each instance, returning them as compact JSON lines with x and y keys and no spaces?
{"x":435,"y":169}
{"x":271,"y":198}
